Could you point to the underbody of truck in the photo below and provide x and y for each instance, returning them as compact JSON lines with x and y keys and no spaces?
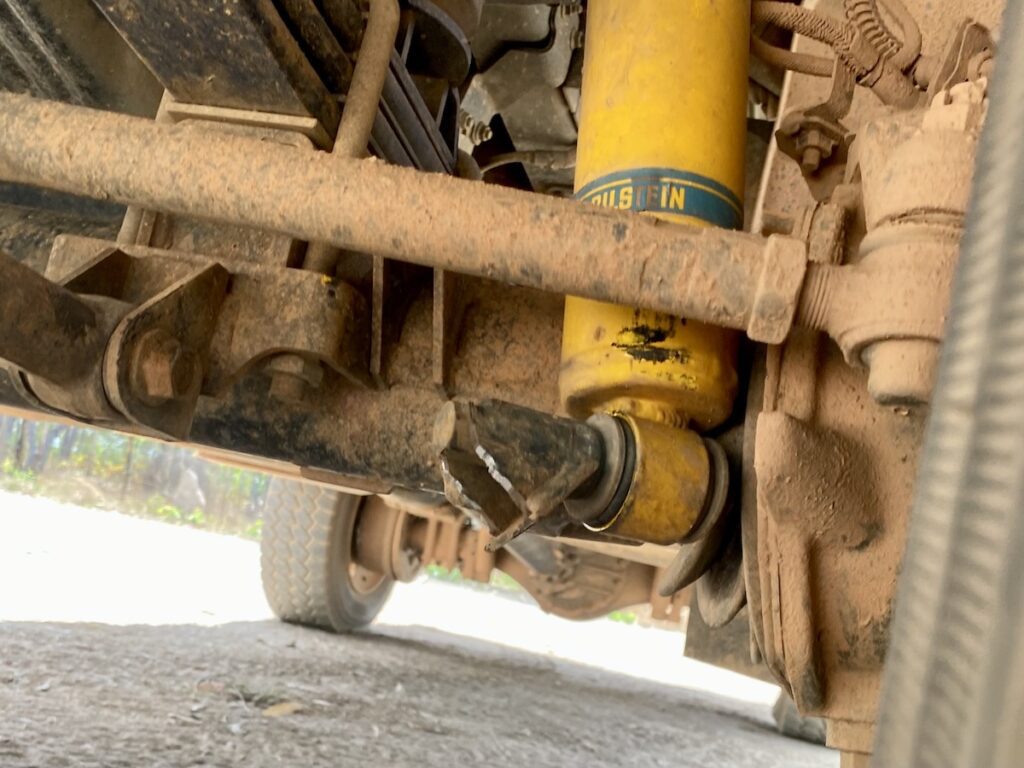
{"x":640,"y":302}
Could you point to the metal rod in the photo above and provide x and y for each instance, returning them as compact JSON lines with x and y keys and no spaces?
{"x":362,"y":104}
{"x":705,"y":274}
{"x":47,"y":330}
{"x":372,"y":66}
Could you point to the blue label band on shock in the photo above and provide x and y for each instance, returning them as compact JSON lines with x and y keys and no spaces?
{"x":664,"y":190}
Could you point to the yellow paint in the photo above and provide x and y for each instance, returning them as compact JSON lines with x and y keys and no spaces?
{"x":670,"y":484}
{"x":664,"y":87}
{"x":678,"y":198}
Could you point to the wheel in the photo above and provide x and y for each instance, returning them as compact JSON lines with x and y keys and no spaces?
{"x":953,"y":693}
{"x":306,"y":559}
{"x":791,"y":723}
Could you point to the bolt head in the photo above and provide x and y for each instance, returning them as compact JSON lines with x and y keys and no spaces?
{"x":162,"y":368}
{"x":293,"y":376}
{"x":287,"y":388}
{"x":310,"y":371}
{"x":815,"y":148}
{"x":810,"y":160}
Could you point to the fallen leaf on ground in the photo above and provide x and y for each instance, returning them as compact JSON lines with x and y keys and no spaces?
{"x":210,"y":686}
{"x":282,"y":709}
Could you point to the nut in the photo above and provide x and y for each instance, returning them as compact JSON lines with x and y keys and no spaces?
{"x":816,"y":148}
{"x":292,"y":376}
{"x":902,"y":371}
{"x":476,"y":131}
{"x":778,"y":290}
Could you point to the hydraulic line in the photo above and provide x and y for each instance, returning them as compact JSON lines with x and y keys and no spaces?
{"x":552,"y":160}
{"x":803,"y":63}
{"x":867,"y":17}
{"x":864,"y":15}
{"x":804,"y":21}
{"x":911,"y":34}
{"x":871,"y":67}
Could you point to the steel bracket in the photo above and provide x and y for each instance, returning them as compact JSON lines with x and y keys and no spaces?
{"x":170,"y":333}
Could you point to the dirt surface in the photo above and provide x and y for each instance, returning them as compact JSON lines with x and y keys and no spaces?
{"x":258,"y":693}
{"x":94,"y":695}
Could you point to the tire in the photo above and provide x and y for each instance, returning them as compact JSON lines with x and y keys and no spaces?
{"x":309,"y":574}
{"x":953,"y":693}
{"x":791,"y":723}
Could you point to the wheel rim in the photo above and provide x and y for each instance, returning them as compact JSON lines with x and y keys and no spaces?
{"x":362,"y":580}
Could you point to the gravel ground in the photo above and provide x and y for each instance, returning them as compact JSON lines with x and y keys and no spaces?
{"x":260,"y":694}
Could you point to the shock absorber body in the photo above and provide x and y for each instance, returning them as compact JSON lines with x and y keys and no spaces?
{"x":663,"y":132}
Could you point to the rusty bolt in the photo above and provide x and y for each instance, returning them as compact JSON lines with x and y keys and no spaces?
{"x":816,"y":147}
{"x":775,"y":223}
{"x":476,"y":131}
{"x":293,"y":376}
{"x":810,"y":161}
{"x":162,"y":369}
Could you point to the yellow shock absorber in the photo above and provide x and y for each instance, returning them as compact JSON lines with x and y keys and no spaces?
{"x":662,"y":131}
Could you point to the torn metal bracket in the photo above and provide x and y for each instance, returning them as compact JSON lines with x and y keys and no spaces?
{"x":512,"y":465}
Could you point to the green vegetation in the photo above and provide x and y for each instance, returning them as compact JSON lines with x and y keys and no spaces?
{"x":499,"y":579}
{"x":623,"y":617}
{"x":129,"y":474}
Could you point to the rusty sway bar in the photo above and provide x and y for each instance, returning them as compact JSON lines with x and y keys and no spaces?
{"x":721,"y":277}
